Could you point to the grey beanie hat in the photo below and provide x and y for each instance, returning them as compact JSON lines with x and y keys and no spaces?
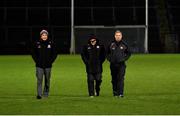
{"x":44,"y":31}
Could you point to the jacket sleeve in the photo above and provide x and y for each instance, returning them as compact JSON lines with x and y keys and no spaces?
{"x":54,"y":52}
{"x":108,"y":53}
{"x":84,"y":55}
{"x":34,"y":52}
{"x":102,"y":54}
{"x":127,"y":53}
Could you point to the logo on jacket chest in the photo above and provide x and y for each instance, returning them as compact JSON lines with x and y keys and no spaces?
{"x":39,"y":46}
{"x":113,"y":46}
{"x":89,"y":48}
{"x":49,"y":46}
{"x":121,"y":47}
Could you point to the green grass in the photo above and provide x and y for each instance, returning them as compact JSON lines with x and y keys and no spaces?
{"x":152,"y":86}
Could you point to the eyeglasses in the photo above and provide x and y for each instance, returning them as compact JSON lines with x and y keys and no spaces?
{"x":93,"y":41}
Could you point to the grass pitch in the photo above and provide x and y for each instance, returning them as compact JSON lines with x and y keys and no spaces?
{"x":152,"y":86}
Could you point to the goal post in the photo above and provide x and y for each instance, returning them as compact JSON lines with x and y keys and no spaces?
{"x":140,"y":29}
{"x":134,"y":36}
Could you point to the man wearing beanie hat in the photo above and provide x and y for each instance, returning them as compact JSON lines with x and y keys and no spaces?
{"x":43,"y":54}
{"x":118,"y":52}
{"x":93,"y":56}
{"x":44,"y":32}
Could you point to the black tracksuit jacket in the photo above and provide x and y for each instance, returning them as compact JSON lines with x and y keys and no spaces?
{"x":44,"y":53}
{"x":118,"y":52}
{"x":93,"y":57}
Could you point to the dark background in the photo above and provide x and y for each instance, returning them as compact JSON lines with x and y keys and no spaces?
{"x":22,"y":20}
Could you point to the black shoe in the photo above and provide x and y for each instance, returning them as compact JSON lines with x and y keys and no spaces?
{"x":45,"y":95}
{"x":115,"y":93}
{"x":39,"y":97}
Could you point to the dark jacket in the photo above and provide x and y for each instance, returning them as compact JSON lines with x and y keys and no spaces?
{"x":93,"y":57}
{"x":44,"y":53}
{"x":118,"y":52}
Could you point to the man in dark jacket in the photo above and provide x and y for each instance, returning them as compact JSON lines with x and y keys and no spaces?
{"x":117,"y":53}
{"x":43,"y":54}
{"x":93,"y":56}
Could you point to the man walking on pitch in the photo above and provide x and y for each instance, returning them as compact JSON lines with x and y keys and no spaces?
{"x":93,"y":55}
{"x":117,"y":53}
{"x":43,"y":54}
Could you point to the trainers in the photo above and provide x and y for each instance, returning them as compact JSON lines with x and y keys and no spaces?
{"x":97,"y":93}
{"x":121,"y":95}
{"x":38,"y":97}
{"x":91,"y":96}
{"x":115,"y":96}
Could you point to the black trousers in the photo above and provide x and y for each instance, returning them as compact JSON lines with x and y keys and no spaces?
{"x":118,"y":73}
{"x":91,"y":77}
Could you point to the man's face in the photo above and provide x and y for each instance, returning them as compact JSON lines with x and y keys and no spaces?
{"x":93,"y":42}
{"x":118,"y":36}
{"x":44,"y":36}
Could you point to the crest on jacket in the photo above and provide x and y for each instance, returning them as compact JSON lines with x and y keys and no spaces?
{"x":113,"y":46}
{"x":49,"y":46}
